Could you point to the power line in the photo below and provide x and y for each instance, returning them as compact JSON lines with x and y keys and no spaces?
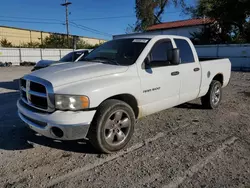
{"x":25,"y":18}
{"x":22,"y":21}
{"x":79,"y":25}
{"x":83,"y":19}
{"x":97,"y":18}
{"x":89,"y":29}
{"x":103,"y":18}
{"x":116,"y":17}
{"x":96,"y":32}
{"x":71,"y":23}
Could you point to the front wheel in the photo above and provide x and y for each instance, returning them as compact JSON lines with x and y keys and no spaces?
{"x":213,"y":98}
{"x":112,"y":127}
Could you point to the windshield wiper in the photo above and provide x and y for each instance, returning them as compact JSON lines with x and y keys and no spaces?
{"x":102,"y":60}
{"x":107,"y":59}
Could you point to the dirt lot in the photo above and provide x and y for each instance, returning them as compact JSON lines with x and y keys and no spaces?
{"x":185,"y":146}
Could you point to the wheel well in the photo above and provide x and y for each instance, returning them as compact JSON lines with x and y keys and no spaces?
{"x":130,"y":100}
{"x":219,"y":77}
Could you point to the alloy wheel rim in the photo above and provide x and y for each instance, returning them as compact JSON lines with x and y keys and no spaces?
{"x":216,"y":95}
{"x":117,"y":128}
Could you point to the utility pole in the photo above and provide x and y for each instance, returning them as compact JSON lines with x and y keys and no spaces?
{"x":66,"y":4}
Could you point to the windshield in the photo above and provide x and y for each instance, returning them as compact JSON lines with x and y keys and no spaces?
{"x":71,"y":57}
{"x":120,"y":52}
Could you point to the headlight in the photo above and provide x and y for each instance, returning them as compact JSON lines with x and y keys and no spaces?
{"x":70,"y":102}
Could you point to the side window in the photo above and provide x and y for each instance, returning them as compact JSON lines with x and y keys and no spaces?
{"x":76,"y":55}
{"x":159,"y":53}
{"x":186,"y":54}
{"x":83,"y":57}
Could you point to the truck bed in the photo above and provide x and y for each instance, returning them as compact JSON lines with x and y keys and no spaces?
{"x":211,"y":68}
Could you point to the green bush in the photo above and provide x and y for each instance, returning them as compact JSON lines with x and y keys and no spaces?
{"x":5,"y":43}
{"x":53,"y":41}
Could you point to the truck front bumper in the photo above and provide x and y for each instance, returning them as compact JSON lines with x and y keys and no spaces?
{"x":61,"y":125}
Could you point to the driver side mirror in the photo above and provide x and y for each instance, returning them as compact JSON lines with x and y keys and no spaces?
{"x":174,"y":56}
{"x":146,"y":63}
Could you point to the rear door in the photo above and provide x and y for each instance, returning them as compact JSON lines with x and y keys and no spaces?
{"x":190,"y":72}
{"x":160,"y":82}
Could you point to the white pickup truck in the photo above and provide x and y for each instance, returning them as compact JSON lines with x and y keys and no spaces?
{"x":121,"y":81}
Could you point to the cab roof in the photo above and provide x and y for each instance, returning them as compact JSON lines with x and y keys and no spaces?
{"x":145,"y":35}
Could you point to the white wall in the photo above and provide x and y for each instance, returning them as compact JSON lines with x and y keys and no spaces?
{"x":239,"y":54}
{"x":17,"y":55}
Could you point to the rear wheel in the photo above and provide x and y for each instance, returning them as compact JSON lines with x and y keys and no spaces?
{"x":213,"y":98}
{"x":112,"y":127}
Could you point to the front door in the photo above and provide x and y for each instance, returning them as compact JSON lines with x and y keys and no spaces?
{"x":160,"y":82}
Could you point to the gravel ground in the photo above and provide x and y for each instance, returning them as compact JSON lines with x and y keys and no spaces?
{"x":185,"y":146}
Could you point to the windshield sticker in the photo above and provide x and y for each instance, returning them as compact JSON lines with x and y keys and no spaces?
{"x":140,"y":40}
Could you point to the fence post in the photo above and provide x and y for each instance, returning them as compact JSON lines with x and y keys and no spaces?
{"x":60,"y":52}
{"x":20,"y":56}
{"x":41,"y":54}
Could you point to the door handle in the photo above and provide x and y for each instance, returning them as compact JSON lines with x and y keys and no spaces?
{"x":175,"y":73}
{"x":196,"y":69}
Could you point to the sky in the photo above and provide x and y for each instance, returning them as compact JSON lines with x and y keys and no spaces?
{"x":91,"y":18}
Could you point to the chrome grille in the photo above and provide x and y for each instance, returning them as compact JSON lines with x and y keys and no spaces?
{"x":37,"y":87}
{"x":37,"y":93}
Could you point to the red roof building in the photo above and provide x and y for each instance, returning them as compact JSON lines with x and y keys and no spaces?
{"x":181,"y":23}
{"x":182,"y":27}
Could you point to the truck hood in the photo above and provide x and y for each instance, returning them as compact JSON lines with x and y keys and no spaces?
{"x":73,"y":72}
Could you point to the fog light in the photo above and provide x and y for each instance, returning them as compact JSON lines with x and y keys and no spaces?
{"x":57,"y":132}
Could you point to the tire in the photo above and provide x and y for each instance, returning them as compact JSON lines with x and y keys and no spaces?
{"x":213,"y":97}
{"x":112,"y":127}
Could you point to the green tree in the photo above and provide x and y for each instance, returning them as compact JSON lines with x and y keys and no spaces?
{"x":230,"y":15}
{"x":5,"y":43}
{"x":57,"y":41}
{"x":247,"y":32}
{"x":149,"y":12}
{"x":53,"y":41}
{"x":60,"y":41}
{"x":130,"y":29}
{"x":81,"y":44}
{"x":30,"y":45}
